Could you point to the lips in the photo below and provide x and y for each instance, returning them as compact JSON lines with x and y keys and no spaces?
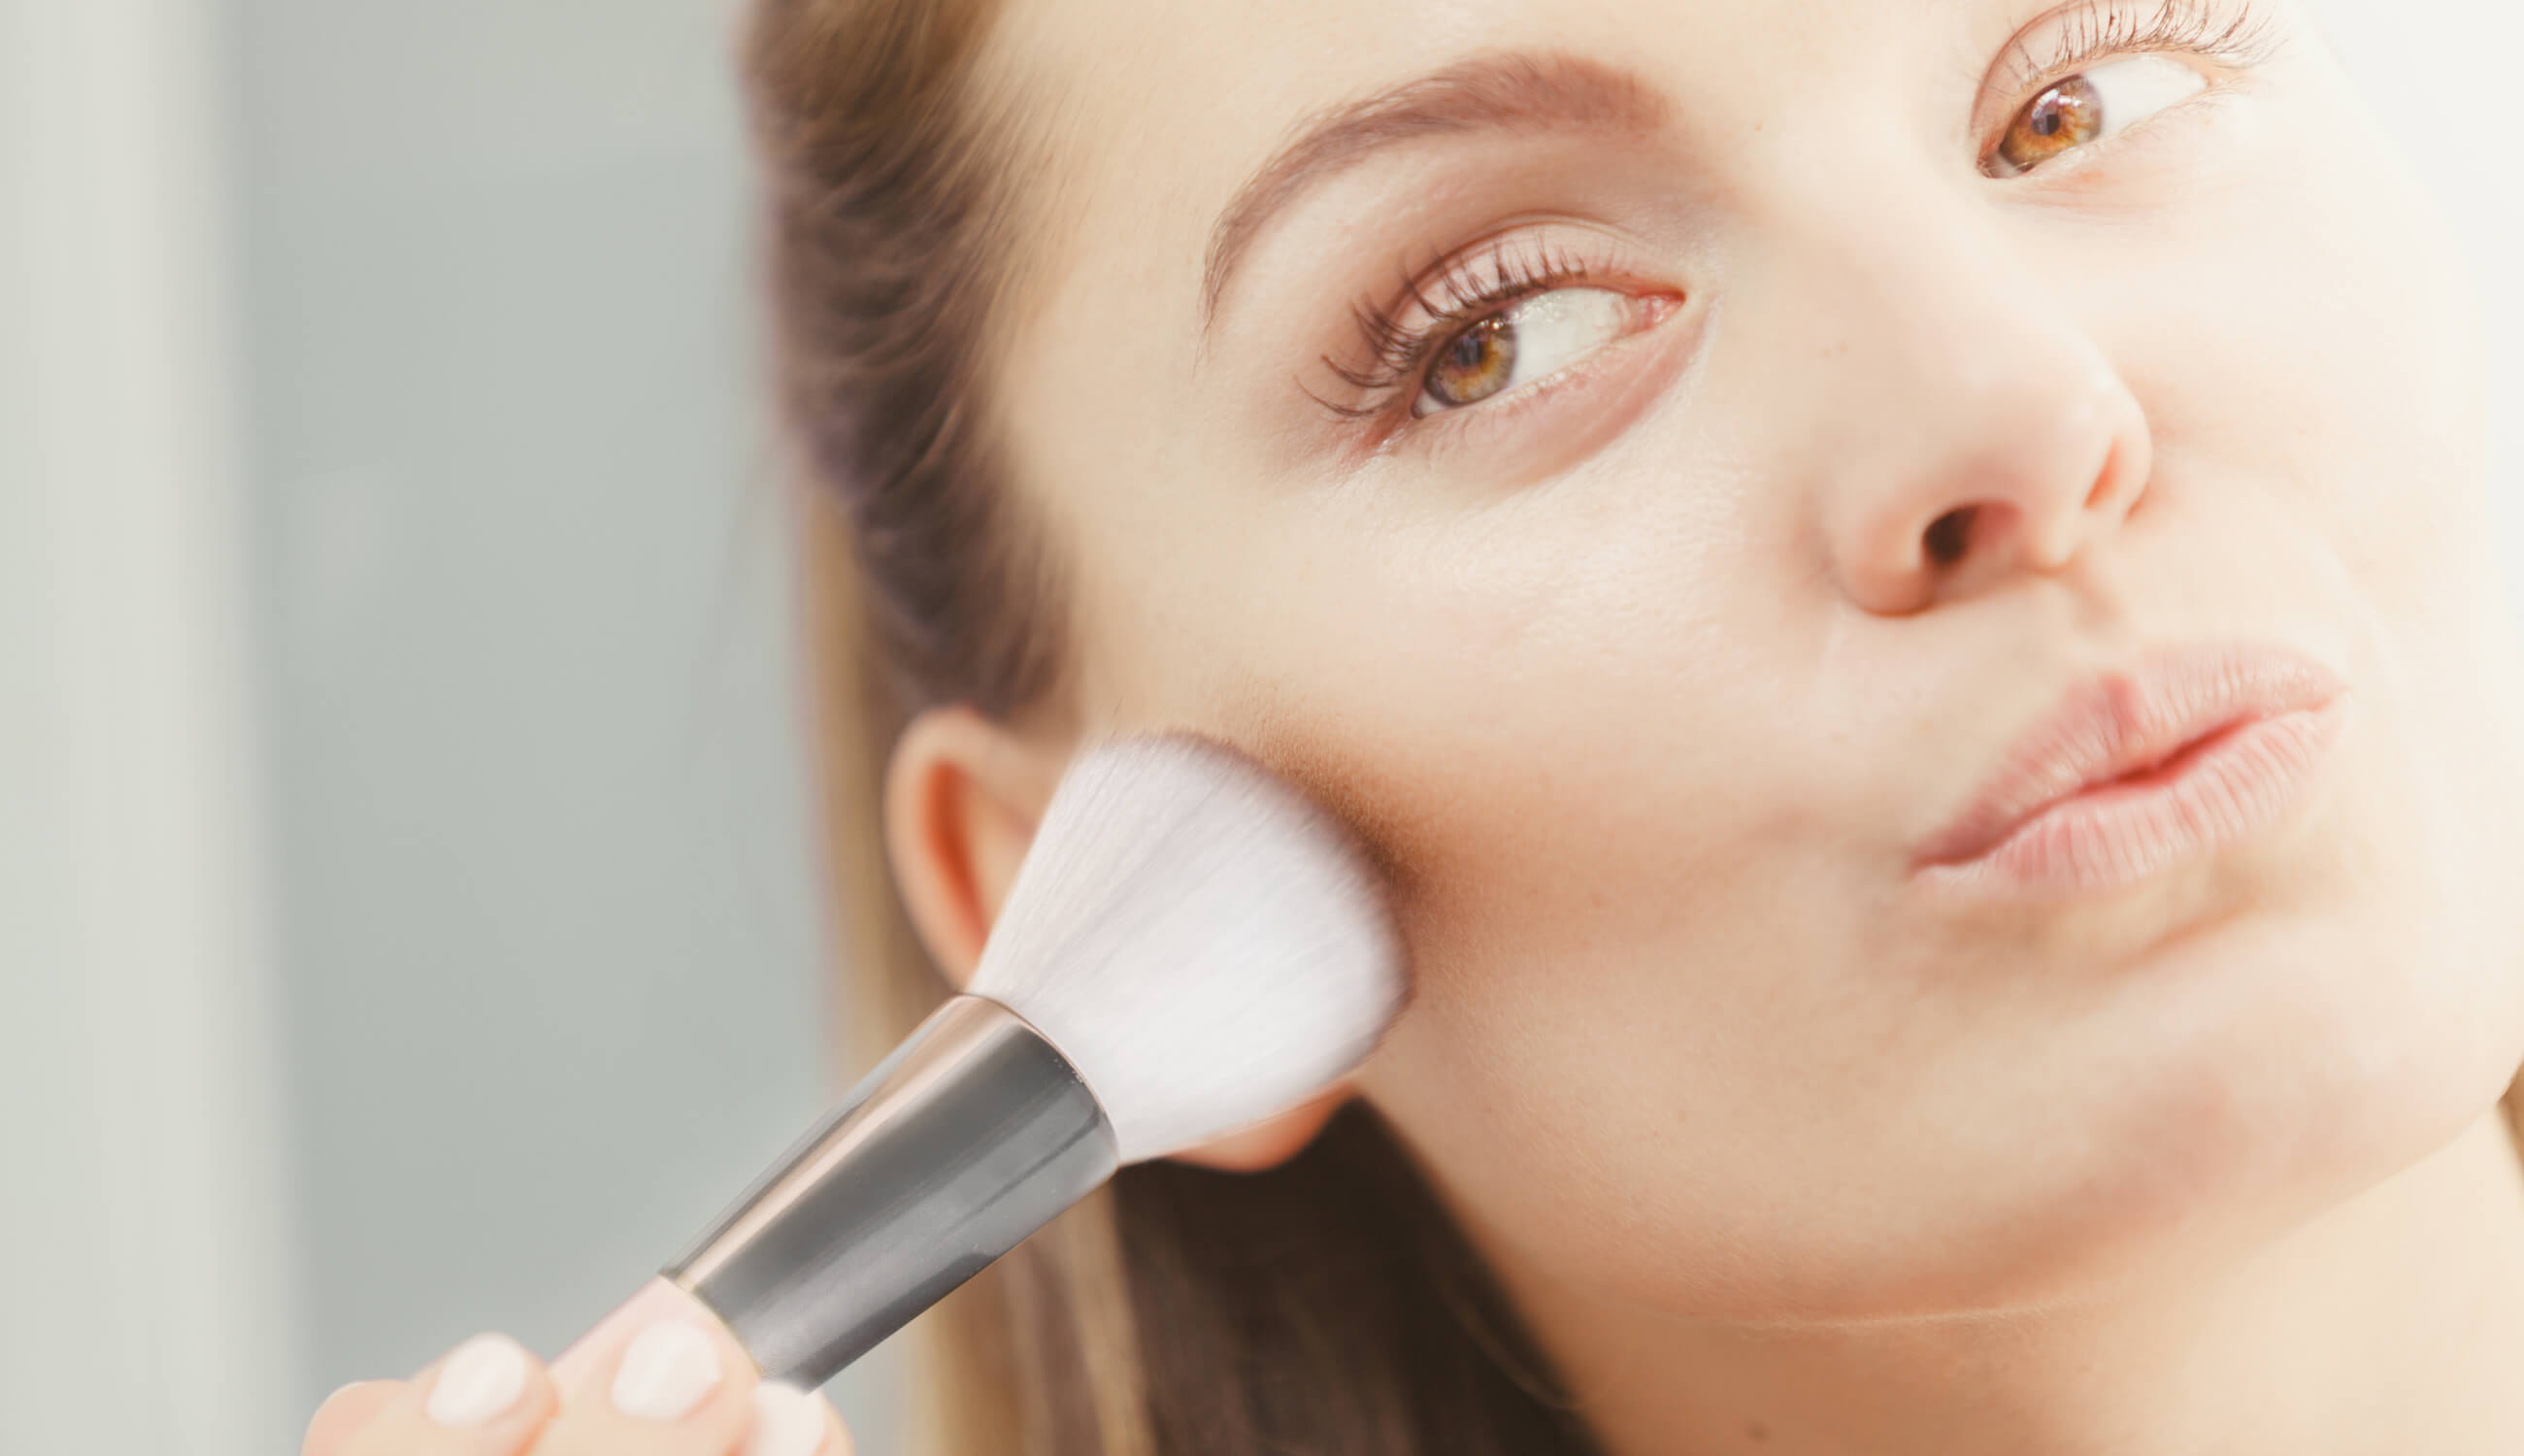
{"x":2125,"y":723}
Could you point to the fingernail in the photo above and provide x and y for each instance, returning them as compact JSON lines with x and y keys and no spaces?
{"x":665,"y":1373}
{"x":482,"y":1378}
{"x":786,"y":1421}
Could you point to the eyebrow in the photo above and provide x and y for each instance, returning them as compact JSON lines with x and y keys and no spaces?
{"x":1505,"y":91}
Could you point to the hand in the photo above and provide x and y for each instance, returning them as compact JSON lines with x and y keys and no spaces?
{"x":660,"y":1377}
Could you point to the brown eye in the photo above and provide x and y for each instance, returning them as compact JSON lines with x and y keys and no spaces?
{"x":2070,"y":113}
{"x":1476,"y":363}
{"x":1533,"y":338}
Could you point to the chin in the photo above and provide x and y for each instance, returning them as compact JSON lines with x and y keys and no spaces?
{"x":2303,"y":1060}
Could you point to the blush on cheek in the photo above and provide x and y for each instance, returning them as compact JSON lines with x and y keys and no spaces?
{"x":1338,"y":773}
{"x":1434,"y":818}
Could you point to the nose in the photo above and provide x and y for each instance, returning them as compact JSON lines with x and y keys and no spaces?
{"x":1967,"y":427}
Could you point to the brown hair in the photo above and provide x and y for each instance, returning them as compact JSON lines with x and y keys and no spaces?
{"x":1328,"y":1306}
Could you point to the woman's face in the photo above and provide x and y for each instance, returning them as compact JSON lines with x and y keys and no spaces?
{"x":1619,"y":622}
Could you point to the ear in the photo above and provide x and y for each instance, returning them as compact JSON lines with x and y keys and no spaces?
{"x":1271,"y":1141}
{"x":962,"y":797}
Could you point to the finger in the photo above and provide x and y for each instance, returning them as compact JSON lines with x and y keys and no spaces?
{"x":792,"y":1422}
{"x":345,"y":1411}
{"x":660,"y":1377}
{"x":486,"y":1397}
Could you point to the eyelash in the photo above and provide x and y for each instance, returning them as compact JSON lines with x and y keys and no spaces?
{"x":2235,"y":34}
{"x":1472,"y":286}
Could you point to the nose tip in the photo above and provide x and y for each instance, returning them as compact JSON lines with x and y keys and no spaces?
{"x":2020,"y":480}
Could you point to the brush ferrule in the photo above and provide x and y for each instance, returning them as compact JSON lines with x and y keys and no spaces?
{"x":975,"y":1133}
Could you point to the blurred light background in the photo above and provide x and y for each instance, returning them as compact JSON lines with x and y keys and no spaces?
{"x":407,"y":889}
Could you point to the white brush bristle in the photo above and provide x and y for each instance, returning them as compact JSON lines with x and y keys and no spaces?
{"x":1205,"y":944}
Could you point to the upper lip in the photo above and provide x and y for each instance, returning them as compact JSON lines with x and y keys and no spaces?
{"x":2126,"y":720}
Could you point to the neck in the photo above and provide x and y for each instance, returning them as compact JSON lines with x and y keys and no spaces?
{"x":2394,"y":1322}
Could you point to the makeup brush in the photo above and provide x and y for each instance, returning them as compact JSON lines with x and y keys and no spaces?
{"x":1191,"y":947}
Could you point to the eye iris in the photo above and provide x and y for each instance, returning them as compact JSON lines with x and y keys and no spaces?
{"x":2068,"y":114}
{"x":1476,"y":363}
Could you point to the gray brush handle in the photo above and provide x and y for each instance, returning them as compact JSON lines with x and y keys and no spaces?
{"x":975,"y":1133}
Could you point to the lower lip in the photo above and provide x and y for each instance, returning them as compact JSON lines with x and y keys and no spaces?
{"x":2219,"y":789}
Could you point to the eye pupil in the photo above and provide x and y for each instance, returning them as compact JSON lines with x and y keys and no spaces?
{"x":1476,"y":363}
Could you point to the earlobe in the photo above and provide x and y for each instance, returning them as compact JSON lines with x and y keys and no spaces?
{"x":962,"y":796}
{"x":1269,"y":1143}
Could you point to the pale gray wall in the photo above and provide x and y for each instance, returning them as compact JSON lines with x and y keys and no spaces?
{"x":548,"y":936}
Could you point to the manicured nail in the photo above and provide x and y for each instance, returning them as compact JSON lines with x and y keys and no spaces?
{"x":786,"y":1421}
{"x":665,"y":1373}
{"x":484,"y":1377}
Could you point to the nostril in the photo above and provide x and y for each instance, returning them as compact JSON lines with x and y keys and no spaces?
{"x":1948,"y":534}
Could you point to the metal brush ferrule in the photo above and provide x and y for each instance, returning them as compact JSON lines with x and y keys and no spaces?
{"x":975,"y":1133}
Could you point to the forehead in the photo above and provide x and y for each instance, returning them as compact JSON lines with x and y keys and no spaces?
{"x":1146,"y":120}
{"x":1205,"y":70}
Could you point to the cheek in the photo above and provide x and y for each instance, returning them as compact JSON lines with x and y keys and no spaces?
{"x":2332,"y":357}
{"x":1552,"y":713}
{"x":2326,"y":344}
{"x":1631,"y":900}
